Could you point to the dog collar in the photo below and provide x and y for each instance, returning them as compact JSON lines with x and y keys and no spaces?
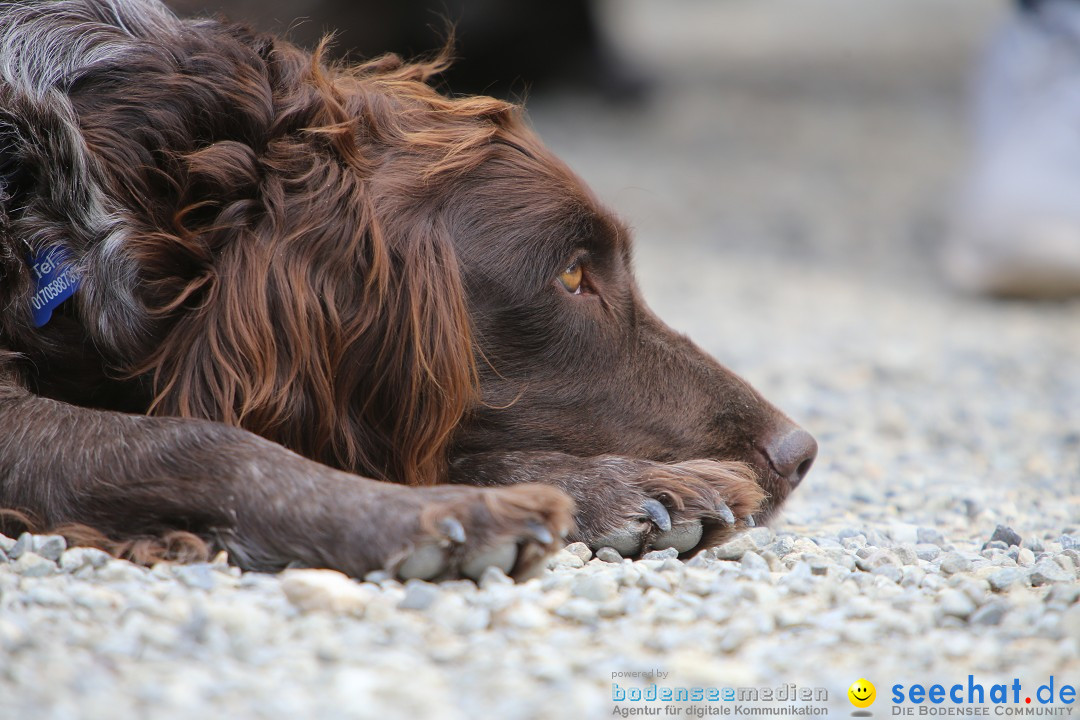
{"x":55,"y":280}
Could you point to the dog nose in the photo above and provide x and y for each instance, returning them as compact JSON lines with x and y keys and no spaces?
{"x":791,"y":453}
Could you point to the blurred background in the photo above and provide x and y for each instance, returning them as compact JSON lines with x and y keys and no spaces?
{"x":823,"y":131}
{"x":792,"y":170}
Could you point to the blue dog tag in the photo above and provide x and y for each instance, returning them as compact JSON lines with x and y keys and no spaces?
{"x":54,"y":282}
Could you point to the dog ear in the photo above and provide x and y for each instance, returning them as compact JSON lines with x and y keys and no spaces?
{"x":320,"y":316}
{"x":326,"y":329}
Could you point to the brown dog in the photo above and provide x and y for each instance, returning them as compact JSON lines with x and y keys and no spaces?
{"x":238,"y":283}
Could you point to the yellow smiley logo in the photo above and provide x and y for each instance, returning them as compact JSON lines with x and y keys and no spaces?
{"x":862,"y":693}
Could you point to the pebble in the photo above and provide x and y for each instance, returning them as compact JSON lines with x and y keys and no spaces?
{"x":989,"y":614}
{"x":79,"y":557}
{"x":565,"y":559}
{"x":735,"y":549}
{"x":929,"y":536}
{"x":1006,"y":535}
{"x":47,"y":546}
{"x":953,"y":563}
{"x":956,"y":603}
{"x":596,"y":587}
{"x":927,"y":551}
{"x":581,"y":550}
{"x":1001,"y":580}
{"x":752,"y":561}
{"x":200,"y":576}
{"x":889,"y":571}
{"x":419,"y":595}
{"x":609,"y":555}
{"x":30,"y":564}
{"x":1046,"y":571}
{"x":324,"y":590}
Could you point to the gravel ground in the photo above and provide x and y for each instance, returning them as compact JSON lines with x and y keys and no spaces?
{"x":788,"y":183}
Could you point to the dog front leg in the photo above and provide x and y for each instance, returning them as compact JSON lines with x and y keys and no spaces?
{"x":129,"y":476}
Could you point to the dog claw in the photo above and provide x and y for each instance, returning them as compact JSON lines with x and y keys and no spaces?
{"x":749,"y":520}
{"x":725,"y":513}
{"x":539,"y":533}
{"x":452,"y":530}
{"x":656,"y":512}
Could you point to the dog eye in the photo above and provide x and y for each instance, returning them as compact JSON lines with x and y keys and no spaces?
{"x":571,"y":278}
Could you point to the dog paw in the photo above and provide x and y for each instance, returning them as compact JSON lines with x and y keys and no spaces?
{"x":688,"y":506}
{"x":464,"y":530}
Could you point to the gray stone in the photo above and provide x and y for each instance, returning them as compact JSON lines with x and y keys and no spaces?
{"x":30,"y":564}
{"x":598,"y":587}
{"x":849,"y":533}
{"x":527,"y":616}
{"x":50,"y":546}
{"x":199,"y":576}
{"x":25,"y":543}
{"x":929,"y":536}
{"x":1063,"y":594}
{"x":80,"y":557}
{"x":989,"y":613}
{"x":927,"y":551}
{"x":904,"y":533}
{"x":752,"y":561}
{"x":581,"y":550}
{"x":610,"y":555}
{"x":1003,"y":579}
{"x":664,"y":554}
{"x":818,"y":565}
{"x":953,"y":563}
{"x":1006,"y":535}
{"x":783,"y":545}
{"x":913,"y":576}
{"x":1046,"y":571}
{"x":325,"y":590}
{"x":652,"y":579}
{"x":870,"y":558}
{"x":579,"y":610}
{"x":906,"y":554}
{"x":889,"y":571}
{"x":734,"y":549}
{"x":761,"y":536}
{"x":565,"y":559}
{"x":956,"y":603}
{"x":419,"y":595}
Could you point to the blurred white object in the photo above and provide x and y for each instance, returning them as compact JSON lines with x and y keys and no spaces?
{"x":1017,"y":229}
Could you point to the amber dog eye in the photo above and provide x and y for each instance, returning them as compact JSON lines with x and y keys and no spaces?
{"x":571,"y":278}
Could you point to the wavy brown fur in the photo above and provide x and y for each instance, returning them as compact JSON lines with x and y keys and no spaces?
{"x":282,"y":339}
